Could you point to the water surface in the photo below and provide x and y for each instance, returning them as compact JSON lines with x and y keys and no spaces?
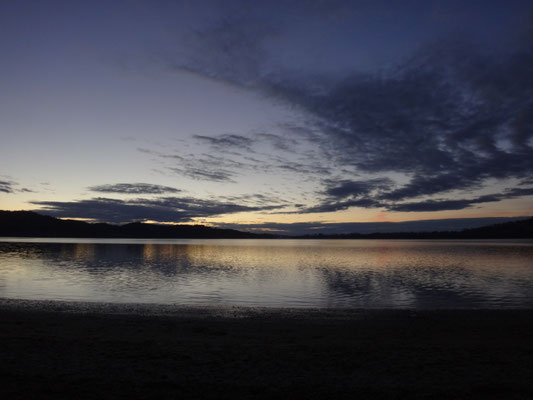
{"x":272,"y":273}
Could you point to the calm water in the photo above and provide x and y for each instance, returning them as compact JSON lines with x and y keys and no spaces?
{"x":280,"y":273}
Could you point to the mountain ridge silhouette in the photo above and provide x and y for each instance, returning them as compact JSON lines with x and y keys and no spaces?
{"x":32,"y":224}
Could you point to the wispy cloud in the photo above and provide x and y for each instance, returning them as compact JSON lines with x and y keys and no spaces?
{"x":345,"y":188}
{"x":133,"y":188}
{"x":240,"y":155}
{"x":278,"y":142}
{"x":227,"y":141}
{"x":204,"y":174}
{"x":6,"y":186}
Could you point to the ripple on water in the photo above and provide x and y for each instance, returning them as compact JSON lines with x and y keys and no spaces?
{"x":274,"y":273}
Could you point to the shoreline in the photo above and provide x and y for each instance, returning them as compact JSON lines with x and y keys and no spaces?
{"x":80,"y":307}
{"x":107,"y":351}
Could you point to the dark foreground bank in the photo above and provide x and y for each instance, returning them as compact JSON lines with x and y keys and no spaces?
{"x":97,"y":351}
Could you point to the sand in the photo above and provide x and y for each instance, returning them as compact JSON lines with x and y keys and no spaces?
{"x":103,"y":351}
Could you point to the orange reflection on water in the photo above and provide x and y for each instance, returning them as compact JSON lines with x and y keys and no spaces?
{"x":321,"y":273}
{"x":85,"y":250}
{"x":164,"y":252}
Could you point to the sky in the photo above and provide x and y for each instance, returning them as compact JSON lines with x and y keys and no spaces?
{"x":267,"y":115}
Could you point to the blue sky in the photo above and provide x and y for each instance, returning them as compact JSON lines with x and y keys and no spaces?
{"x":247,"y":113}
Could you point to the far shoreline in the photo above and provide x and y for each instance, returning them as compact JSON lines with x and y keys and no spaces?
{"x":176,"y":310}
{"x":53,"y":239}
{"x":32,"y":224}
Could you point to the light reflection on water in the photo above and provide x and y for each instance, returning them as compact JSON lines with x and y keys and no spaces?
{"x":280,"y":273}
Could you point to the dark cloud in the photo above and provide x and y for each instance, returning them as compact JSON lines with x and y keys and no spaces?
{"x":450,"y":118}
{"x":422,"y":186}
{"x":441,"y":205}
{"x":6,"y":186}
{"x":162,"y":209}
{"x":517,"y":192}
{"x":453,"y":116}
{"x":363,"y":194}
{"x":133,"y":188}
{"x":332,"y":206}
{"x":11,"y":187}
{"x":203,"y":207}
{"x":343,"y":194}
{"x":109,"y":210}
{"x":346,"y":188}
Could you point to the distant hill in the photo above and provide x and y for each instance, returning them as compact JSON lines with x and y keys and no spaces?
{"x":511,"y":230}
{"x":522,"y":229}
{"x":31,"y":224}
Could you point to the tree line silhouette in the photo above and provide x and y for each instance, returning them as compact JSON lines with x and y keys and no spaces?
{"x":32,"y":224}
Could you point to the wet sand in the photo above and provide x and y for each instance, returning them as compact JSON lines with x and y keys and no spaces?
{"x":100,"y":351}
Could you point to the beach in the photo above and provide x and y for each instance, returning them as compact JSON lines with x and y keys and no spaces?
{"x":103,"y":351}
